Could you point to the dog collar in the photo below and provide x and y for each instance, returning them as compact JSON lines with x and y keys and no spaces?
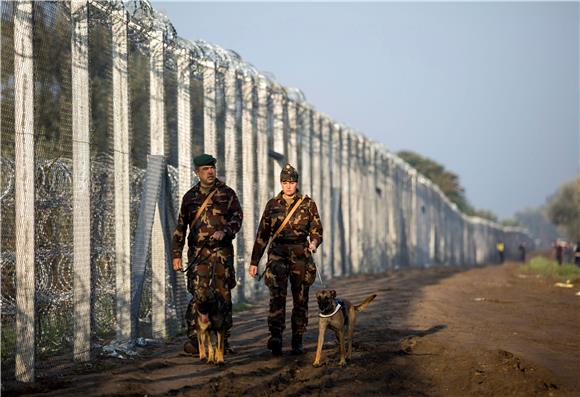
{"x":331,"y":314}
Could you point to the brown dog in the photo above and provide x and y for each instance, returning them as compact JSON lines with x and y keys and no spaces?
{"x":339,"y":316}
{"x":210,"y":322}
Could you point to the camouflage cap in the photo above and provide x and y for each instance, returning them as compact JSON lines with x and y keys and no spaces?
{"x":204,"y":159}
{"x":288,"y":174}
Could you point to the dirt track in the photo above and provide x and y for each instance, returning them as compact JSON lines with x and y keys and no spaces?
{"x":435,"y":332}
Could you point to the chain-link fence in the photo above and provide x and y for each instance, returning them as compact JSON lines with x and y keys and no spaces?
{"x":90,"y":90}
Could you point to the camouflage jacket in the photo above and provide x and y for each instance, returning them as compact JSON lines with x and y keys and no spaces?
{"x":305,"y":222}
{"x":223,"y":212}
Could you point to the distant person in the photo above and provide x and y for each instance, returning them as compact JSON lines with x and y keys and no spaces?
{"x":522,"y":249}
{"x":500,"y":246}
{"x":577,"y":254}
{"x":559,"y":251}
{"x":568,"y":252}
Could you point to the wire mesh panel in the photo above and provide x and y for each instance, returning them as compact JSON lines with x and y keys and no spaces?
{"x":291,"y":133}
{"x":346,"y":206}
{"x":354,"y":203}
{"x":103,"y":291}
{"x":316,"y":175}
{"x":7,"y":192}
{"x":337,"y":228}
{"x":197,"y":110}
{"x":305,"y":154}
{"x":170,"y":106}
{"x":248,"y":192}
{"x":277,"y":98}
{"x":184,"y":144}
{"x":262,"y":117}
{"x":139,"y":143}
{"x":53,"y":186}
{"x":157,"y":139}
{"x":210,"y":143}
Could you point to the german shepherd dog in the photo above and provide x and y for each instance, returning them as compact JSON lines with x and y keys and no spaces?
{"x":339,"y":315}
{"x":210,"y":322}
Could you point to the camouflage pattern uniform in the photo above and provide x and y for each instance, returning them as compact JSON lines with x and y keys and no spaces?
{"x":288,"y":258}
{"x":215,"y":262}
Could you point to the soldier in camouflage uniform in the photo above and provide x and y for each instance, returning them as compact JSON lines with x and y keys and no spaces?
{"x":289,"y":257}
{"x":209,"y":241}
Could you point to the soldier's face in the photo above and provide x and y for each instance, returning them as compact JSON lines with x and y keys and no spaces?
{"x":289,"y":188}
{"x":206,"y":174}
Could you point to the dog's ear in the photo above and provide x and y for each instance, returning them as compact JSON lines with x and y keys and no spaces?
{"x":318,"y":295}
{"x":333,"y":293}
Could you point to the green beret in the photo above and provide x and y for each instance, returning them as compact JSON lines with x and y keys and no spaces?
{"x":204,"y":159}
{"x":288,"y":174}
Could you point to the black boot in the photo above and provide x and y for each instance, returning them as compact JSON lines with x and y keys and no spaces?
{"x":275,"y":344}
{"x":191,"y":346}
{"x":297,"y":347}
{"x":228,"y":349}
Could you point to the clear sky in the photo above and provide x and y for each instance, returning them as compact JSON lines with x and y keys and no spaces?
{"x":490,"y":90}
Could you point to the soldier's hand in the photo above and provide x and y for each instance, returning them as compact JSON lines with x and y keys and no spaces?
{"x":176,"y":264}
{"x":218,"y":236}
{"x":312,"y":246}
{"x":253,"y":271}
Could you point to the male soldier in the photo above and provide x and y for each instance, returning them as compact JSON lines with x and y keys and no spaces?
{"x":213,"y":214}
{"x":292,"y":223}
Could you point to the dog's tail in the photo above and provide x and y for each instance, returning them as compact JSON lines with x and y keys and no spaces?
{"x":365,"y":303}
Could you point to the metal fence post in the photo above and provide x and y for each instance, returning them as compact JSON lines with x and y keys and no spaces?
{"x":157,"y":125}
{"x":121,"y":159}
{"x":24,"y":190}
{"x":81,"y":181}
{"x":248,"y":194}
{"x":209,"y":108}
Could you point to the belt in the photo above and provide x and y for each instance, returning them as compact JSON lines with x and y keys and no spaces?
{"x":280,"y":241}
{"x":212,"y":244}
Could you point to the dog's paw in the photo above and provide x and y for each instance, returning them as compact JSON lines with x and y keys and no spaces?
{"x":342,"y":363}
{"x":316,"y":364}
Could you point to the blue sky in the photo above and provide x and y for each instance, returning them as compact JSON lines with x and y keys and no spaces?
{"x":490,"y":90}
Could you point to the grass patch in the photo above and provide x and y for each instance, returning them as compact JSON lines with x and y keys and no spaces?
{"x":548,"y":268}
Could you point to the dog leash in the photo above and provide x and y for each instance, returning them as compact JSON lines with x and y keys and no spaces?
{"x":197,"y":259}
{"x":320,"y":278}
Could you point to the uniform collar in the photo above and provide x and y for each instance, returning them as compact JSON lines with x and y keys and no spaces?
{"x":280,"y":197}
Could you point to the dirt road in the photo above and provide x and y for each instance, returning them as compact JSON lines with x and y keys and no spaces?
{"x":432,"y":332}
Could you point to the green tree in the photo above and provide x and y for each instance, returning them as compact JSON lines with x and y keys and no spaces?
{"x":486,"y":214}
{"x":510,"y":222}
{"x":563,"y":209}
{"x":447,"y":181}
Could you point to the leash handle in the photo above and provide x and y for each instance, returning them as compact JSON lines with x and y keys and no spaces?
{"x":196,"y":259}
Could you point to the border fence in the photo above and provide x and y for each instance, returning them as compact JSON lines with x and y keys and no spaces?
{"x":103,"y":107}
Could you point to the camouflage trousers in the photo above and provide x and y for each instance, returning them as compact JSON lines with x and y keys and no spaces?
{"x":294,"y":263}
{"x":214,"y":270}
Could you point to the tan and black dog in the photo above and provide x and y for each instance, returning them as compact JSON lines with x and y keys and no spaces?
{"x":211,"y":321}
{"x":339,"y":316}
